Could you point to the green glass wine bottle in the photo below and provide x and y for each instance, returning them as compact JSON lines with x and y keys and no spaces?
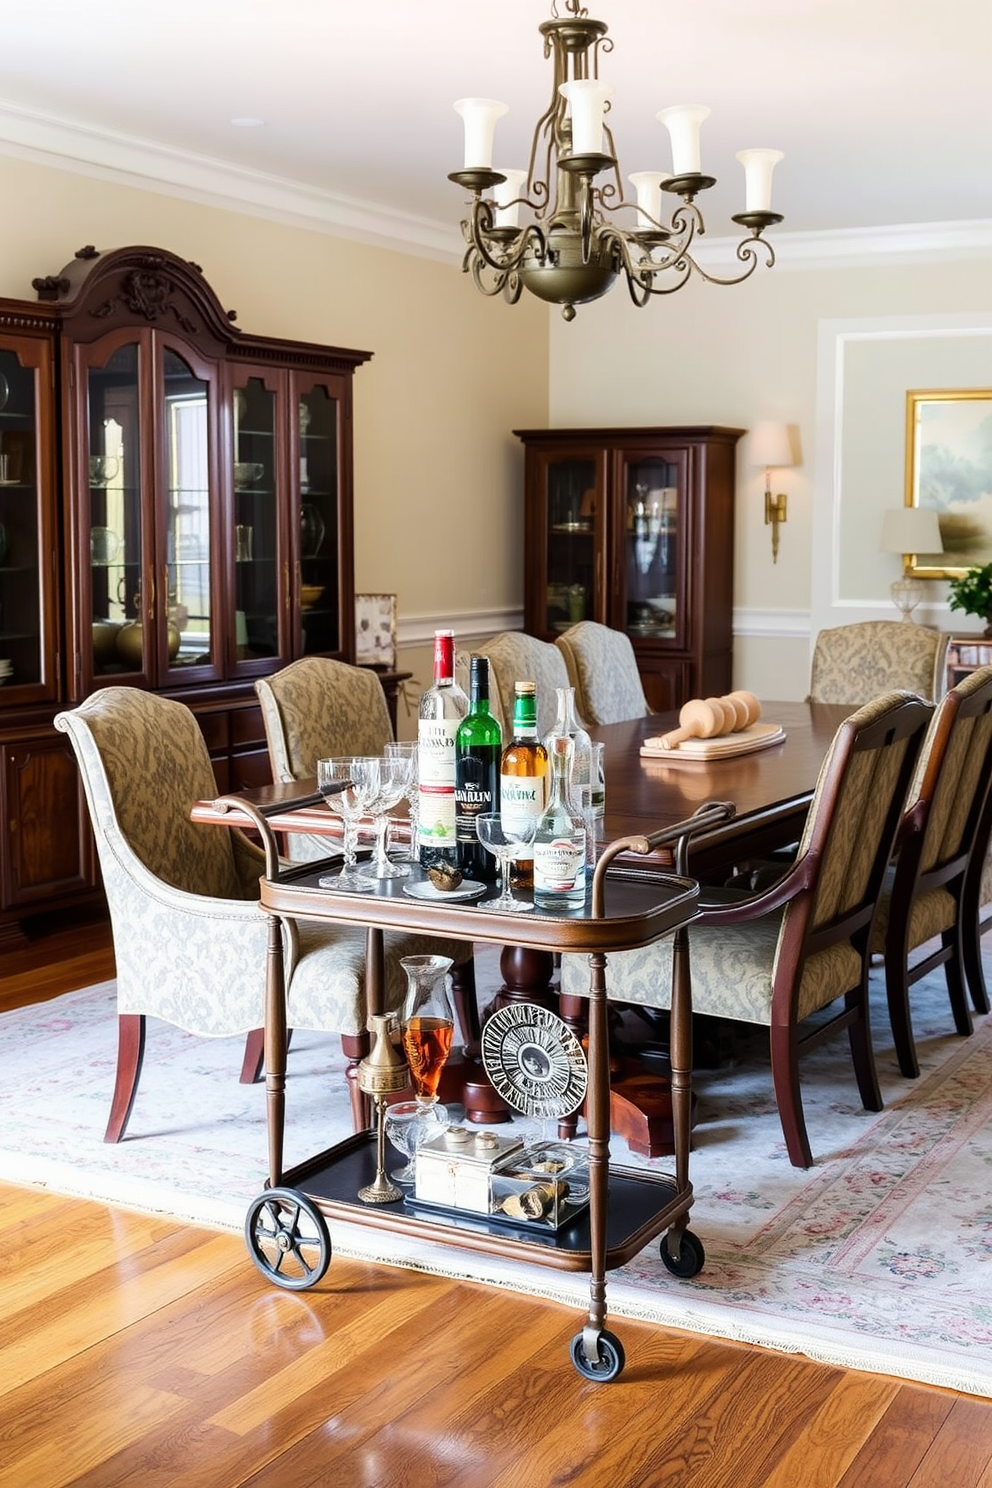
{"x":478,"y":747}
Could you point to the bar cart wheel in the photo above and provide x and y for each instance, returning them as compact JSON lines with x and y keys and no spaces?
{"x":610,"y":1357}
{"x":287,"y":1238}
{"x":691,"y":1255}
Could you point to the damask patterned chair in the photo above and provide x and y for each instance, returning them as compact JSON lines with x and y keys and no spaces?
{"x":516,"y":657}
{"x":189,"y":939}
{"x":779,"y":957}
{"x":315,"y":708}
{"x":925,"y":896}
{"x":602,"y":668}
{"x":854,"y":663}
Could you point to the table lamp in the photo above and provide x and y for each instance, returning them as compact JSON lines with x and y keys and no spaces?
{"x":909,"y":530}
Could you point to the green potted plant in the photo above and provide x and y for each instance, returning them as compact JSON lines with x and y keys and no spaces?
{"x":972,"y":593}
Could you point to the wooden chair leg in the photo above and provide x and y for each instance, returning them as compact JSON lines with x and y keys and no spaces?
{"x":859,"y":1033}
{"x":466,"y":1004}
{"x":973,"y":969}
{"x":785,"y":1078}
{"x":355,"y":1047}
{"x":130,"y":1056}
{"x":900,"y":1017}
{"x":956,"y":989}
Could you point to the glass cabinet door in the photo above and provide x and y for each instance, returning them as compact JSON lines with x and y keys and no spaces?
{"x":257,"y":599}
{"x":187,"y":606}
{"x":112,"y":472}
{"x":27,"y":643}
{"x":653,"y":517}
{"x":320,"y":537}
{"x":572,"y":488}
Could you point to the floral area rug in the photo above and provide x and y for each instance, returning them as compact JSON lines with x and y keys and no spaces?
{"x":877,"y":1258}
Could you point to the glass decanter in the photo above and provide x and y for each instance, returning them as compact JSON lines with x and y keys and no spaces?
{"x":427,"y":1026}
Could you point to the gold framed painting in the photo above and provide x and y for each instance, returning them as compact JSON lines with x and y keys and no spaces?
{"x":949,"y":471}
{"x":375,"y":630}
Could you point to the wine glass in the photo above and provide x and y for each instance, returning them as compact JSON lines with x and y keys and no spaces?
{"x":409,"y":1124}
{"x":350,"y":805}
{"x":393,"y":773}
{"x":407,"y":749}
{"x":506,"y":838}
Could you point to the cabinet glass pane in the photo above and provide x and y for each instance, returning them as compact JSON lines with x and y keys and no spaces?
{"x":256,"y":570}
{"x":20,"y":590}
{"x":318,"y":429}
{"x":114,"y":474}
{"x":653,"y":518}
{"x":187,"y":537}
{"x":571,"y":542}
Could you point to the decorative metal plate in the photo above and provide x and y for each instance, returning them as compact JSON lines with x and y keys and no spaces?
{"x":534,"y":1061}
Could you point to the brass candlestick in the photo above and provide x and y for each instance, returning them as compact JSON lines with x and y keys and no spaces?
{"x":383,"y":1072}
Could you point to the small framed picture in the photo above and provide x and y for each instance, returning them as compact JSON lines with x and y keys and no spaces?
{"x":375,"y":630}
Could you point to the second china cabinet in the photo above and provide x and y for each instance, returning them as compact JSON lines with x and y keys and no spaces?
{"x":634,"y":528}
{"x":175,"y":514}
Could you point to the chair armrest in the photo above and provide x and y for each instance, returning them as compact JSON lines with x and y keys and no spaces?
{"x":752,"y":906}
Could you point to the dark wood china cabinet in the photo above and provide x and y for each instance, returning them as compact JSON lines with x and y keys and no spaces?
{"x":634,"y":528}
{"x":175,"y":514}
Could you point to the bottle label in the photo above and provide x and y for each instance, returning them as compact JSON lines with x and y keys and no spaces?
{"x":436,"y":767}
{"x":521,"y":797}
{"x":559,"y":865}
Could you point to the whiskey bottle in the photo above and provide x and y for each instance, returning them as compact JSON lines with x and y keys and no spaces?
{"x":523,"y":774}
{"x":560,"y":840}
{"x":442,"y":708}
{"x":478,"y":749}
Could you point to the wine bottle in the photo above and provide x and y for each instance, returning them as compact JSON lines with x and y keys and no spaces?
{"x":523,"y":774}
{"x":442,"y":708}
{"x":560,"y":840}
{"x":478,"y":750}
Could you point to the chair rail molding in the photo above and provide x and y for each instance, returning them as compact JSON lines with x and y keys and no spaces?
{"x":468,"y":626}
{"x":865,"y":367}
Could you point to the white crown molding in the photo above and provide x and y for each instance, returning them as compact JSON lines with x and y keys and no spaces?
{"x":128,"y":160}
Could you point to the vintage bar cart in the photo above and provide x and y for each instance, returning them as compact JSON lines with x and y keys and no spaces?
{"x":286,"y":1230}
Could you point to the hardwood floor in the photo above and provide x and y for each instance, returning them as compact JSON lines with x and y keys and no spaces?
{"x":139,"y":1351}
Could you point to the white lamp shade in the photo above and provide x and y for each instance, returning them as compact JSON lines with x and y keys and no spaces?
{"x":648,"y":187}
{"x":910,"y":530}
{"x":758,"y":166}
{"x":771,"y":445}
{"x":480,"y":115}
{"x":586,"y":99}
{"x":505,"y":192}
{"x":683,"y":123}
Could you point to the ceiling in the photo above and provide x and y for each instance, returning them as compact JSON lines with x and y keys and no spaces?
{"x":883,"y":107}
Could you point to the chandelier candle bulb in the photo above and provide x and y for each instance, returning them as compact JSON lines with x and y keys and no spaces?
{"x":505,"y":196}
{"x":758,"y":166}
{"x":648,"y":187}
{"x":683,"y":123}
{"x":479,"y":116}
{"x":586,"y":98}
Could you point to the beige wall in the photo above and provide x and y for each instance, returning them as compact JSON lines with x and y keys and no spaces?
{"x":733,"y":356}
{"x":438,"y":475}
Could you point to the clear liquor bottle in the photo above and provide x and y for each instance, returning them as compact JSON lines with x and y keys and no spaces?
{"x":478,"y":750}
{"x":560,"y":841}
{"x":442,"y":708}
{"x":568,"y":724}
{"x":523,"y":774}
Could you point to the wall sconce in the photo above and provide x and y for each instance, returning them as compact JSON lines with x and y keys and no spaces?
{"x":909,"y":530}
{"x":771,"y":446}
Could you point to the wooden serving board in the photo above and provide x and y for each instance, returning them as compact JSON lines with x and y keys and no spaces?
{"x":726,"y":746}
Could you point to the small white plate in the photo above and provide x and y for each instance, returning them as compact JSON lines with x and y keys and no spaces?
{"x":469,"y":888}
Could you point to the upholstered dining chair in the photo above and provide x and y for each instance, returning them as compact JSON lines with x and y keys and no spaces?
{"x":924,"y":894}
{"x":515,"y":657}
{"x":854,"y":663}
{"x":602,"y":668}
{"x":313,"y":709}
{"x":779,"y":957}
{"x":189,"y":938}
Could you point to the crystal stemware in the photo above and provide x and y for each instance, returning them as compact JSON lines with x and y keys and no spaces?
{"x":393,"y":778}
{"x":409,"y":1124}
{"x":506,"y":838}
{"x":407,"y":749}
{"x":350,"y":805}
